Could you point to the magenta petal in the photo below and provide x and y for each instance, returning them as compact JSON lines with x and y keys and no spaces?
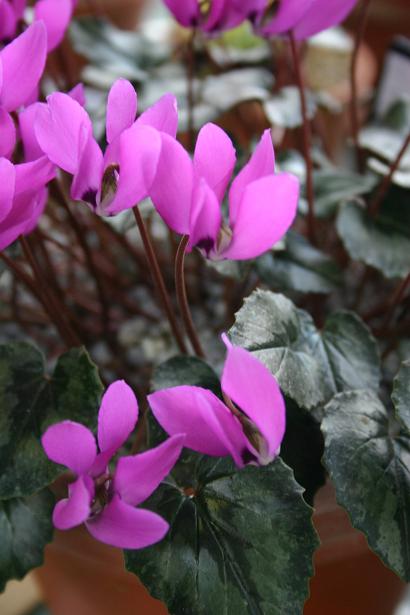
{"x":320,"y":15}
{"x":208,"y":425}
{"x":27,"y":121}
{"x":87,"y":177}
{"x":121,"y":108}
{"x":7,"y":134}
{"x":138,"y":153}
{"x":117,"y":416}
{"x":56,"y":15}
{"x":70,"y":444}
{"x":163,"y":115}
{"x":75,"y":509}
{"x":214,"y":158}
{"x":78,"y":94}
{"x":63,"y":130}
{"x":261,"y":163}
{"x":267,"y":211}
{"x":23,"y":217}
{"x":34,"y":175}
{"x":23,"y":63}
{"x":255,"y":391}
{"x":7,"y":184}
{"x":286,"y":16}
{"x":206,"y":218}
{"x":8,"y":20}
{"x":186,"y":12}
{"x":123,"y":526}
{"x":137,"y":476}
{"x":171,"y":191}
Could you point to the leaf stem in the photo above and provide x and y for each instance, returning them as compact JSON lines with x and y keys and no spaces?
{"x":307,"y":140}
{"x":183,"y":298}
{"x":159,"y":280}
{"x":377,"y":200}
{"x":354,"y":107}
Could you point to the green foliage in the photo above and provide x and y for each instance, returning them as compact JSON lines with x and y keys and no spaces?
{"x":310,"y":365}
{"x":368,"y":454}
{"x":240,"y":542}
{"x":30,"y":401}
{"x":25,"y":529}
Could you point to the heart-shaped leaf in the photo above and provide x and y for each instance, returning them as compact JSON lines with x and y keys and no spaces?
{"x":367,"y":453}
{"x":310,"y":365}
{"x":240,"y":543}
{"x":30,"y":401}
{"x":25,"y":529}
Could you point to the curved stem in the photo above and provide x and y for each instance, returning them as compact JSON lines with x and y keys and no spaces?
{"x":159,"y":280}
{"x":183,"y":299}
{"x":376,"y":202}
{"x":354,"y":109}
{"x":307,"y":140}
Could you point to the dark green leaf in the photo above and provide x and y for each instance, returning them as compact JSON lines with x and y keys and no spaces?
{"x":368,"y":457}
{"x":243,"y":544}
{"x":383,"y":243}
{"x":311,"y":366}
{"x":299,"y":267}
{"x":25,"y":529}
{"x":30,"y":401}
{"x":401,"y":394}
{"x":185,"y":370}
{"x":333,"y":187}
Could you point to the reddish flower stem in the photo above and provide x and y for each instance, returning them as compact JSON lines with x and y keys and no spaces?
{"x":377,"y":200}
{"x":307,"y":140}
{"x":159,"y":280}
{"x":354,"y":107}
{"x":183,"y":298}
{"x":396,"y":299}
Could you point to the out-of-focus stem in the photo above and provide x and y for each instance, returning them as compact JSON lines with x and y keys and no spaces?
{"x":354,"y":109}
{"x":159,"y":280}
{"x":190,"y":89}
{"x":307,"y":140}
{"x":183,"y":298}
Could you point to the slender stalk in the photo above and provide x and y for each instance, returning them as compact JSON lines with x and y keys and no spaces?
{"x":54,"y":307}
{"x":190,"y":89}
{"x":376,"y":202}
{"x":395,"y":301}
{"x":354,"y":107}
{"x":307,"y":140}
{"x":183,"y":298}
{"x":159,"y":280}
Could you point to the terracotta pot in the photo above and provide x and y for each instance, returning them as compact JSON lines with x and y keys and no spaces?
{"x":84,"y":577}
{"x":349,"y":579}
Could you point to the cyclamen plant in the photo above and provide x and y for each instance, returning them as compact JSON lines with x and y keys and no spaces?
{"x":202,"y":460}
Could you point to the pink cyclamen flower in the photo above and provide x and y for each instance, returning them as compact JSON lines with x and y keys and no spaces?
{"x":303,"y":18}
{"x":56,"y":15}
{"x":212,"y":15}
{"x":189,"y":194}
{"x":23,"y":196}
{"x":107,"y":502}
{"x":121,"y":177}
{"x":253,"y":435}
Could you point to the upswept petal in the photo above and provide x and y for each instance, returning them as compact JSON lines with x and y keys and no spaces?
{"x":7,"y":184}
{"x":33,"y":176}
{"x":70,"y":444}
{"x":27,"y":122}
{"x":123,"y":526}
{"x":137,"y":476}
{"x":7,"y":134}
{"x":63,"y":131}
{"x":87,"y":177}
{"x":255,"y":391}
{"x":117,"y":416}
{"x":214,"y":158}
{"x":138,"y":154}
{"x":261,"y":163}
{"x":8,"y":20}
{"x":23,"y":217}
{"x":56,"y":15}
{"x":187,"y":12}
{"x":285,"y":16}
{"x":77,"y":93}
{"x":121,"y":108}
{"x":266,"y":212}
{"x":208,"y":425}
{"x":320,"y":15}
{"x":163,"y":115}
{"x":23,"y":63}
{"x":206,"y":219}
{"x":76,"y":508}
{"x":171,"y":191}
